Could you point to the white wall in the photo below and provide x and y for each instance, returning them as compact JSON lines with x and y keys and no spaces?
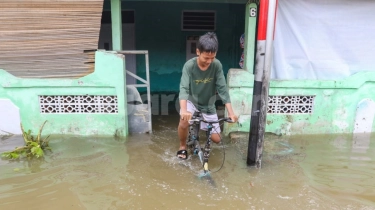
{"x":323,"y":39}
{"x":10,"y":121}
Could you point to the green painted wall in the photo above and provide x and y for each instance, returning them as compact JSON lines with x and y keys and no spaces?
{"x":334,"y":108}
{"x":158,"y":30}
{"x":108,"y":79}
{"x":200,"y":1}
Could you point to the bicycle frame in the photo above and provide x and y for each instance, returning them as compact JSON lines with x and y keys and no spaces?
{"x":193,"y":140}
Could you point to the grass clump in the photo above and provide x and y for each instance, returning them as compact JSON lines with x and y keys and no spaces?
{"x":34,"y":146}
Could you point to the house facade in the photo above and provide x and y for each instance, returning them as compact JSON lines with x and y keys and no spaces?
{"x":73,"y":64}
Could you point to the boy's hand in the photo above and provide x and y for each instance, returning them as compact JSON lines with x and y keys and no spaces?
{"x":185,"y":116}
{"x":233,"y":117}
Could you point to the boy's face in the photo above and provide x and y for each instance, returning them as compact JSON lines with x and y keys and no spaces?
{"x":205,"y":59}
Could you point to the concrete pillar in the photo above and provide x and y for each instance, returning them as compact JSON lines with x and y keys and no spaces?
{"x":250,"y":36}
{"x":116,"y":25}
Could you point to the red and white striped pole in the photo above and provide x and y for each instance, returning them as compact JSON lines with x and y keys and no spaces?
{"x":266,"y":26}
{"x":261,"y":40}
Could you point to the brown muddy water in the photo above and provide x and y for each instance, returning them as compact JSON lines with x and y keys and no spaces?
{"x":142,"y":172}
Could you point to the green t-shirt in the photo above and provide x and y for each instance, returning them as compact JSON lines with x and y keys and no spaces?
{"x":200,"y":86}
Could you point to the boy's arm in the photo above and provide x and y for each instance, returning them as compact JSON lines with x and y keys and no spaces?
{"x":184,"y":94}
{"x":184,"y":84}
{"x":184,"y":114}
{"x":221,"y":87}
{"x":231,"y":114}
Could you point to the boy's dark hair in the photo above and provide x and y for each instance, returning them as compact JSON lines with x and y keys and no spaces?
{"x":208,"y":43}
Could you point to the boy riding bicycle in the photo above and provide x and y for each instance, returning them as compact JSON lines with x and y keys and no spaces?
{"x":201,"y":78}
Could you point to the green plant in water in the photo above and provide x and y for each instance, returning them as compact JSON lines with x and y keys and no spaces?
{"x":34,"y":146}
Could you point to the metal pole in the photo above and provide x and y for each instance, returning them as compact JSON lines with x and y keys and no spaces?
{"x":258,"y":144}
{"x":148,"y":93}
{"x":257,"y":88}
{"x":266,"y":79}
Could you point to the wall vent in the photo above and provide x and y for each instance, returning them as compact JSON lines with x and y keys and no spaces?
{"x":196,"y":20}
{"x":76,"y":104}
{"x":290,"y":104}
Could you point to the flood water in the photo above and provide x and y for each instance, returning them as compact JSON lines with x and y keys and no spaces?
{"x":142,"y":172}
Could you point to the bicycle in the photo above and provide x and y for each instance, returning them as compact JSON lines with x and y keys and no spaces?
{"x":193,"y":139}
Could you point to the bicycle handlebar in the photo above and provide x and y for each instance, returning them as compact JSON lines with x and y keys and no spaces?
{"x":226,"y":119}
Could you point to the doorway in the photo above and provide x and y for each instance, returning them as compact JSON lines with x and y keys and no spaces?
{"x":128,"y":38}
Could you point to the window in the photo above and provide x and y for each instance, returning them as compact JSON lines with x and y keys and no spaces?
{"x":196,"y":20}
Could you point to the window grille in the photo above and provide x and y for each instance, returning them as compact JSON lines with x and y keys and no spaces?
{"x":290,"y":104}
{"x":195,"y":20}
{"x":78,"y":104}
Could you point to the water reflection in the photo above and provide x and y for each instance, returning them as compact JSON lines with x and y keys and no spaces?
{"x":342,"y":167}
{"x":142,"y":172}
